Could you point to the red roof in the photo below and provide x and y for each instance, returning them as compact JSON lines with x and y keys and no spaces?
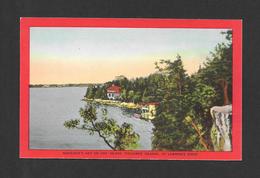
{"x":113,"y":89}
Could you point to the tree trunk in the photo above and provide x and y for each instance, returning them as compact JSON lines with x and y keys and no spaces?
{"x":224,"y":85}
{"x":104,"y":138}
{"x":202,"y":140}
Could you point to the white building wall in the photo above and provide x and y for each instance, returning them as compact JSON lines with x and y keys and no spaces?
{"x":113,"y":96}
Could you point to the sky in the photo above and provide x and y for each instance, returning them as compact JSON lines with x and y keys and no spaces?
{"x":96,"y":55}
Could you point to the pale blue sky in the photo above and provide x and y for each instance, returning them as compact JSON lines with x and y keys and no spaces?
{"x":114,"y":45}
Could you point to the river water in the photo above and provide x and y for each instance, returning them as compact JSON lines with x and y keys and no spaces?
{"x":51,"y":107}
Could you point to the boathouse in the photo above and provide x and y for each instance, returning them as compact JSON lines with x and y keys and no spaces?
{"x":148,"y":110}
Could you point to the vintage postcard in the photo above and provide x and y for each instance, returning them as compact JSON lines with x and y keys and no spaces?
{"x":151,"y":89}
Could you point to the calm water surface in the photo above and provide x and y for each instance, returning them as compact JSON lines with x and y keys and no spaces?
{"x":51,"y":107}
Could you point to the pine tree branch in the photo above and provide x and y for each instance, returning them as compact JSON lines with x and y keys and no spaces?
{"x":103,"y":137}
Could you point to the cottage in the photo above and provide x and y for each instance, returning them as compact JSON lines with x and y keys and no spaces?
{"x":113,"y":92}
{"x":148,"y":110}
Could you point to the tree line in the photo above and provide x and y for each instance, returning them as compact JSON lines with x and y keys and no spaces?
{"x":183,"y":120}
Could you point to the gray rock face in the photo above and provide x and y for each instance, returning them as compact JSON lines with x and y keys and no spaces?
{"x":221,"y":130}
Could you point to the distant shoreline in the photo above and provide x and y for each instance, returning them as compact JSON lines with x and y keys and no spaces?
{"x":61,"y":85}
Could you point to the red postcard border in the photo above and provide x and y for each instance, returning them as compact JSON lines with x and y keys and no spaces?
{"x":27,"y":22}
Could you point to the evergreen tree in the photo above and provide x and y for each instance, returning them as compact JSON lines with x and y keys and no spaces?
{"x":184,"y":121}
{"x":116,"y":137}
{"x":218,"y":69}
{"x":170,"y":131}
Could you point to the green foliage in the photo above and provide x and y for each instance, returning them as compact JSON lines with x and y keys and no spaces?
{"x":72,"y":123}
{"x":124,"y":95}
{"x":116,"y":137}
{"x":170,"y":132}
{"x":136,"y":90}
{"x":218,"y":66}
{"x":126,"y":138}
{"x":183,"y":121}
{"x":130,"y":95}
{"x":96,"y":91}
